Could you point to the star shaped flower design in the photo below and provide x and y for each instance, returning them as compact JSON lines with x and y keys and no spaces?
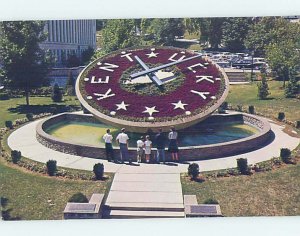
{"x":152,"y":54}
{"x":122,"y":106}
{"x":150,"y":110}
{"x":180,"y":105}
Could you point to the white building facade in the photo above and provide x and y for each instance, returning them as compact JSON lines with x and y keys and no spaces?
{"x":69,"y":37}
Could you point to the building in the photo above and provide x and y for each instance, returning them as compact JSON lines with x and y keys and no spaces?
{"x":69,"y":37}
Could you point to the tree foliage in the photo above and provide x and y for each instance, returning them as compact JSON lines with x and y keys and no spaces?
{"x":165,"y":30}
{"x":119,"y":34}
{"x":292,"y":88}
{"x":263,"y":88}
{"x":24,"y":64}
{"x":234,"y":32}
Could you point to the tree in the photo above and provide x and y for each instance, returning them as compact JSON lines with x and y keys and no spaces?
{"x":73,"y":61}
{"x":119,"y":34}
{"x":24,"y":64}
{"x":263,"y":88}
{"x":292,"y":89}
{"x":234,"y":32}
{"x":56,"y":94}
{"x":211,"y":30}
{"x":283,"y":58}
{"x":270,"y":30}
{"x":87,"y":55}
{"x":165,"y":30}
{"x":70,"y":86}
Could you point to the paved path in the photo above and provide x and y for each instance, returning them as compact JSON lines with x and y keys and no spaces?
{"x":24,"y":140}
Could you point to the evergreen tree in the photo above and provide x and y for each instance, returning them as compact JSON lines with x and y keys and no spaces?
{"x":292,"y":88}
{"x":24,"y":64}
{"x":57,"y":94}
{"x":70,"y":86}
{"x":263,"y":88}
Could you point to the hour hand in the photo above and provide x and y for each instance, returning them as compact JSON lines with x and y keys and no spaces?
{"x":151,"y":75}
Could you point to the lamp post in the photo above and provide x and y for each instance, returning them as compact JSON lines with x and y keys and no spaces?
{"x":252,"y":55}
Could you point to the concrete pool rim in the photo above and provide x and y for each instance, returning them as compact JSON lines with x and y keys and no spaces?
{"x":189,"y":153}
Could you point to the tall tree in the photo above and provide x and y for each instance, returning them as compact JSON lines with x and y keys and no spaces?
{"x":165,"y":30}
{"x":211,"y":30}
{"x":235,"y":30}
{"x":283,"y":57}
{"x":119,"y":34}
{"x":24,"y":64}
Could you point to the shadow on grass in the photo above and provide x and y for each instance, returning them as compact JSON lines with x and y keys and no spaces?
{"x":6,"y":213}
{"x":37,"y":109}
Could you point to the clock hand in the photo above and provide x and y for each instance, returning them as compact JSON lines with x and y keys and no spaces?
{"x":147,"y":71}
{"x":152,"y":76}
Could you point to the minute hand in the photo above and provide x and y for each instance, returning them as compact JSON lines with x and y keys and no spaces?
{"x":138,"y":74}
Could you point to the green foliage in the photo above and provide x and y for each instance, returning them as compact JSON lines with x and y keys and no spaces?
{"x":4,"y":96}
{"x":281,"y":116}
{"x":70,"y":86}
{"x":242,"y":165}
{"x":9,"y":124}
{"x":165,"y":30}
{"x":210,"y":201}
{"x":211,"y":30}
{"x":285,"y":155}
{"x":79,"y":198}
{"x":193,"y":170}
{"x":86,"y":55}
{"x":29,"y":116}
{"x":57,"y":94}
{"x":119,"y":34}
{"x":98,"y":170}
{"x":51,"y":167}
{"x":73,"y":61}
{"x":263,"y":88}
{"x":292,"y":88}
{"x":251,"y":109}
{"x":297,"y":124}
{"x":234,"y":32}
{"x":15,"y":156}
{"x":24,"y":64}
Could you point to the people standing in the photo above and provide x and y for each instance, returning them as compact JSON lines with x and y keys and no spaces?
{"x":108,"y":146}
{"x":160,"y":141}
{"x":173,"y":145}
{"x":122,"y":140}
{"x":140,"y":149}
{"x":148,"y":147}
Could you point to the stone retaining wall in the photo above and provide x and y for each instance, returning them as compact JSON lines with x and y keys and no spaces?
{"x":186,"y":153}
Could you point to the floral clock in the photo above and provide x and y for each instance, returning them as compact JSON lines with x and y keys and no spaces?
{"x":151,"y":87}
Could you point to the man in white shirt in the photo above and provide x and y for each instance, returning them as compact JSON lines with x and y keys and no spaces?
{"x":122,"y":140}
{"x":108,"y":146}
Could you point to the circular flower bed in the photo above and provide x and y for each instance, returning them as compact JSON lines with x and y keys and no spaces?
{"x":197,"y":85}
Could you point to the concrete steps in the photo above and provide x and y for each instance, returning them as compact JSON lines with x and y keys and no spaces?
{"x":121,"y":214}
{"x":236,"y":77}
{"x":139,"y":195}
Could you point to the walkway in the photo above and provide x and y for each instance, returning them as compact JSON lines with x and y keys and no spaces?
{"x":24,"y":140}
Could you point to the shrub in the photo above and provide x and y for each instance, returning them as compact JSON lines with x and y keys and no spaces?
{"x":240,"y":107}
{"x":210,"y":201}
{"x":193,"y":170}
{"x":51,"y":167}
{"x":57,"y":94}
{"x":297,"y":124}
{"x":281,"y":116}
{"x":9,"y":124}
{"x":98,"y":170}
{"x":4,"y":96}
{"x":263,"y":88}
{"x":251,"y":109}
{"x":29,"y":116}
{"x":15,"y":156}
{"x":242,"y":165}
{"x":285,"y":155}
{"x":78,"y":197}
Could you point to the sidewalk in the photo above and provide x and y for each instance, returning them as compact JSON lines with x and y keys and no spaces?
{"x":24,"y":140}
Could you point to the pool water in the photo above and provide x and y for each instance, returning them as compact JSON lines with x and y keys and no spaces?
{"x":92,"y":133}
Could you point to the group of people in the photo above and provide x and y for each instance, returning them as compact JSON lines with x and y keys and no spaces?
{"x":144,"y":146}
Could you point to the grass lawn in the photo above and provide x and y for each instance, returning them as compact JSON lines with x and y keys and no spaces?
{"x":28,"y":193}
{"x":274,"y":193}
{"x":247,"y":95}
{"x":16,"y":108}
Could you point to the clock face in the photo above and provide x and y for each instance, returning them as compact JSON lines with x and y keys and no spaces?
{"x":151,"y":87}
